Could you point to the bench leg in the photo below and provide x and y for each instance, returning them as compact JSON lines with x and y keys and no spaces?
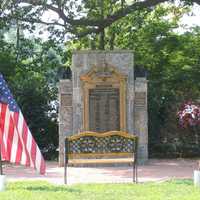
{"x":65,"y":173}
{"x":66,"y":161}
{"x":135,"y":173}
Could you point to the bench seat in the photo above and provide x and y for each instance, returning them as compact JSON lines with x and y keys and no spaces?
{"x":101,"y":161}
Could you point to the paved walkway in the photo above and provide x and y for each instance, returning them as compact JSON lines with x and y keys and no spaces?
{"x":154,"y":170}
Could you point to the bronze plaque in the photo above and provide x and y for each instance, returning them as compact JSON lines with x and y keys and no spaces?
{"x":104,"y":109}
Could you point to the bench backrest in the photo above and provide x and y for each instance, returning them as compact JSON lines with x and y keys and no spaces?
{"x":92,"y":144}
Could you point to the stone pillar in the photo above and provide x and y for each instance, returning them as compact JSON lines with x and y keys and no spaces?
{"x":141,"y":118}
{"x":65,"y":115}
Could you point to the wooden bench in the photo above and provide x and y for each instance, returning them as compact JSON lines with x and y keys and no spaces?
{"x":113,"y":147}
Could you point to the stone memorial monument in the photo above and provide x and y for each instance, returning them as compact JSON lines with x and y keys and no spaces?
{"x":102,"y":96}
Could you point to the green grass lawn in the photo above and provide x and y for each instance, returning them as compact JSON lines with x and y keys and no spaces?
{"x":37,"y":190}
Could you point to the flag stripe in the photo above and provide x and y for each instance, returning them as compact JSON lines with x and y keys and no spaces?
{"x":26,"y":157}
{"x":6,"y":132}
{"x":2,"y":119}
{"x":20,"y":147}
{"x":33,"y":152}
{"x":29,"y":146}
{"x":4,"y":144}
{"x":14,"y":139}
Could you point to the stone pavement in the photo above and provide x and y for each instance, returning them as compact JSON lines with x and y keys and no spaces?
{"x":154,"y":170}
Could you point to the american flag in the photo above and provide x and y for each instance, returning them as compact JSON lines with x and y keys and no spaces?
{"x":17,"y":143}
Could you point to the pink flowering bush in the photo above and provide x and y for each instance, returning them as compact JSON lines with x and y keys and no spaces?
{"x":189,"y":115}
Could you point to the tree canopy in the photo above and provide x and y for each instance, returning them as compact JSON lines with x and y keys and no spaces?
{"x":77,"y":18}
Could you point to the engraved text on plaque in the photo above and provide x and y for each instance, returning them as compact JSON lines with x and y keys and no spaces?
{"x":104,"y":109}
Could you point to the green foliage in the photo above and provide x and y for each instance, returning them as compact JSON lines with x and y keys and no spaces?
{"x":31,"y":73}
{"x":173,"y":63}
{"x":35,"y":97}
{"x":174,"y":190}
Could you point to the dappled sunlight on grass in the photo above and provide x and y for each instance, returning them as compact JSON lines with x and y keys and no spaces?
{"x":41,"y":190}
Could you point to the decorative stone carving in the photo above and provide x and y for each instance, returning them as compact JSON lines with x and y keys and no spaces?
{"x":140,"y":99}
{"x":104,"y":77}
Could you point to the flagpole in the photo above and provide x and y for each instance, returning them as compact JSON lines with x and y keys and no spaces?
{"x":2,"y":177}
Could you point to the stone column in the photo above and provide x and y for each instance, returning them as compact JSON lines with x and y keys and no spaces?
{"x":65,"y":115}
{"x":141,"y":118}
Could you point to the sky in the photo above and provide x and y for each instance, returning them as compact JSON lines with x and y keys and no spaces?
{"x":193,"y":18}
{"x":188,"y":20}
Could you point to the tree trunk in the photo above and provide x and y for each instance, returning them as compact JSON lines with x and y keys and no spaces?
{"x":102,"y":33}
{"x":112,"y":40}
{"x":102,"y":40}
{"x":17,"y":40}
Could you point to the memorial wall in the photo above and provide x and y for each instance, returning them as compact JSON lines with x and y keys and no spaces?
{"x":102,"y":96}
